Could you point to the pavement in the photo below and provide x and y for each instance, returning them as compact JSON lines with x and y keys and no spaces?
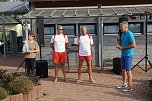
{"x":103,"y":90}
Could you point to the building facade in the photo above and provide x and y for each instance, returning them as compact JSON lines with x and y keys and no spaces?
{"x":104,"y":27}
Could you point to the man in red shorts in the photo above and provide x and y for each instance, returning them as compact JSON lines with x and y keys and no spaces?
{"x":59,"y":43}
{"x":85,"y":43}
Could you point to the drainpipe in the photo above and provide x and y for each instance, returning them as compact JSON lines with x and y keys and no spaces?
{"x":100,"y":42}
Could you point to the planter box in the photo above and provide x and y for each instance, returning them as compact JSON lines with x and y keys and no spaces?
{"x":17,"y":97}
{"x":6,"y":99}
{"x":39,"y":90}
{"x":31,"y":96}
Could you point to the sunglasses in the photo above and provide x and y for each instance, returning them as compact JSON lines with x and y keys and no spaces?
{"x":61,"y":29}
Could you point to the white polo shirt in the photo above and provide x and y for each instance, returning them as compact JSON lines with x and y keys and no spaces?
{"x":84,"y":43}
{"x":59,"y":42}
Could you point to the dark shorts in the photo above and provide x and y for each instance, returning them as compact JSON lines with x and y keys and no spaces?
{"x":126,"y":62}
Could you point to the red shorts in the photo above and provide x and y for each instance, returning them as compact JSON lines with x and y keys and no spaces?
{"x":59,"y":57}
{"x":85,"y":57}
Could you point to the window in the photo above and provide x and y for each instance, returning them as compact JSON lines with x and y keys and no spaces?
{"x":136,"y":27}
{"x":49,"y":29}
{"x":91,"y":28}
{"x":69,"y":29}
{"x":149,"y":28}
{"x":111,"y":29}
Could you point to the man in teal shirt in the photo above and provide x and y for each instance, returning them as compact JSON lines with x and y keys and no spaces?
{"x":126,"y":45}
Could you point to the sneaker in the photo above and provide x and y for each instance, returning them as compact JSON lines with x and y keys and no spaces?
{"x":127,"y":89}
{"x":122,"y":87}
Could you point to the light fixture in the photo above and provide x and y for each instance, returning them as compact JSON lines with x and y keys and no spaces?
{"x":123,"y":18}
{"x":142,"y":17}
{"x":133,"y":17}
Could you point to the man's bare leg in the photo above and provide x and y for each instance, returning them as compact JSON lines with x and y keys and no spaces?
{"x":79,"y":70}
{"x":90,"y":70}
{"x":56,"y":72}
{"x":124,"y":77}
{"x":63,"y":70}
{"x":129,"y":74}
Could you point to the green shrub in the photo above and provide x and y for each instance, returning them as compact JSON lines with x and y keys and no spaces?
{"x":21,"y":85}
{"x":3,"y":93}
{"x":35,"y":79}
{"x":17,"y":74}
{"x":8,"y":77}
{"x":2,"y":72}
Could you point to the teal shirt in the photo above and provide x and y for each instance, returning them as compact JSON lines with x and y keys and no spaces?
{"x":126,"y":39}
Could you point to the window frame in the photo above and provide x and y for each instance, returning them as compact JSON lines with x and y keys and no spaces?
{"x":81,"y":24}
{"x":110,"y":24}
{"x":50,"y":25}
{"x":135,"y":33}
{"x":74,"y":34}
{"x":141,"y":27}
{"x":147,"y":27}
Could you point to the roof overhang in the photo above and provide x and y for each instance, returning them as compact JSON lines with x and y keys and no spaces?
{"x":15,"y":7}
{"x":7,"y":19}
{"x":10,"y":10}
{"x":94,"y":11}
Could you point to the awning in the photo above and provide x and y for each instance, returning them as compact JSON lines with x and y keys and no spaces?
{"x":13,"y":7}
{"x":10,"y":10}
{"x":8,"y":20}
{"x":89,"y":11}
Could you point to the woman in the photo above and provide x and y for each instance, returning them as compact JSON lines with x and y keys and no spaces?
{"x":31,"y":54}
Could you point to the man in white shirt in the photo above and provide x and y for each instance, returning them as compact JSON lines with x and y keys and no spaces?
{"x":59,"y":43}
{"x":85,"y":43}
